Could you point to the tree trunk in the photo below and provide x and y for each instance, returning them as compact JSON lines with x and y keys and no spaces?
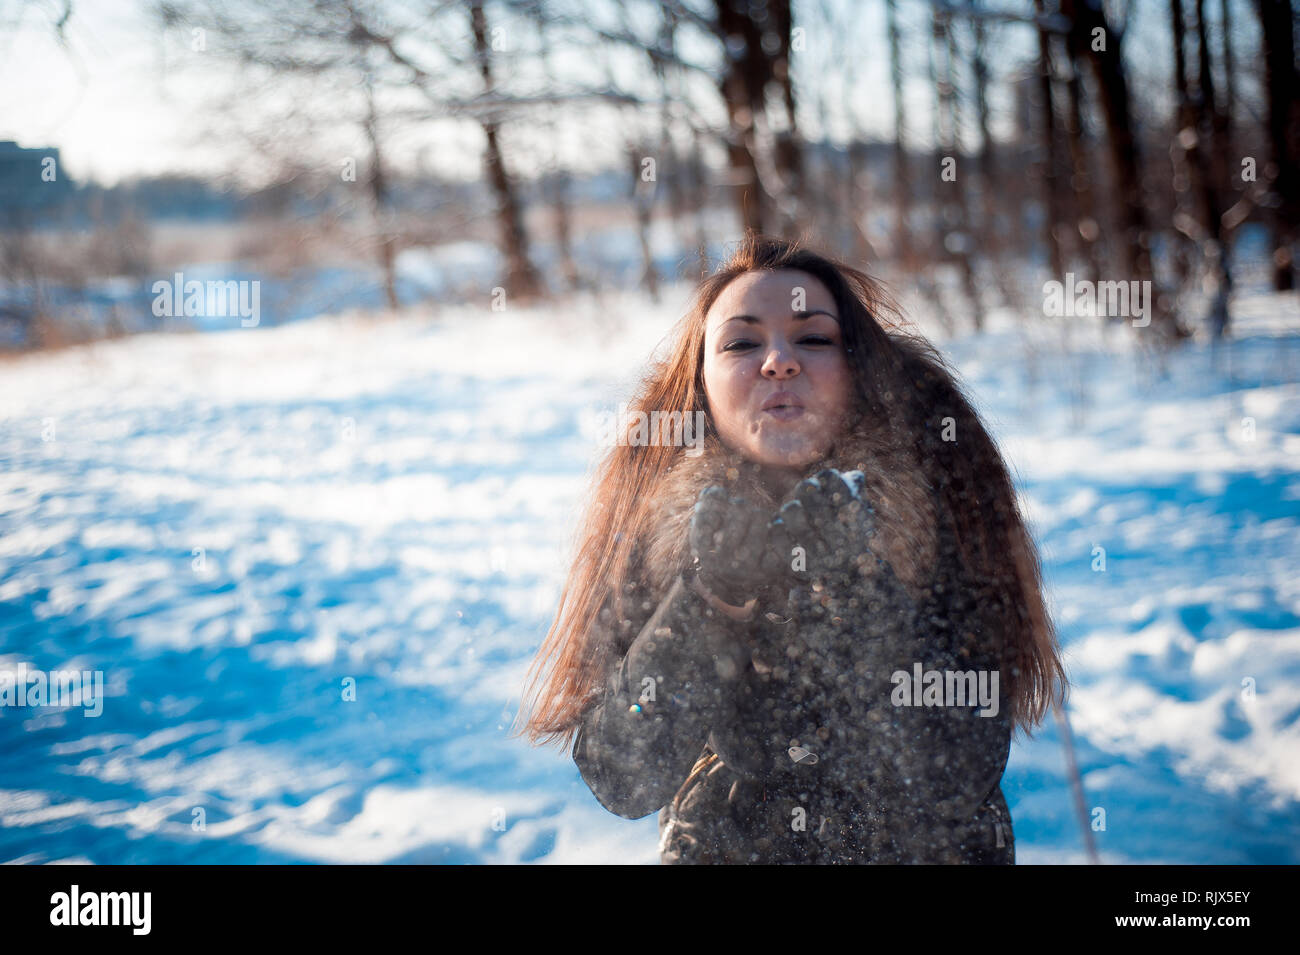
{"x":555,"y":187}
{"x":559,"y":202}
{"x":955,"y":221}
{"x":1052,"y":220}
{"x":522,"y":280}
{"x":699,"y":194}
{"x":987,"y":160}
{"x":1211,"y":131}
{"x":744,"y":85}
{"x":378,"y":186}
{"x":788,"y":146}
{"x":643,"y":197}
{"x":1280,"y":81}
{"x":1108,"y":66}
{"x":1229,"y":89}
{"x":1183,"y":151}
{"x":742,"y":103}
{"x":902,"y":191}
{"x":1087,"y":229}
{"x":859,"y":192}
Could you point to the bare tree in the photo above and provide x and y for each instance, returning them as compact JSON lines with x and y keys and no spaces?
{"x":1212,"y":132}
{"x":987,"y":157}
{"x":902,"y":190}
{"x":643,"y":196}
{"x":555,"y":181}
{"x":765,"y":180}
{"x":1276,"y":21}
{"x":1092,"y":35}
{"x":1053,"y":221}
{"x":1184,"y":151}
{"x":1086,"y":231}
{"x":955,"y":241}
{"x":522,"y":280}
{"x":378,"y":186}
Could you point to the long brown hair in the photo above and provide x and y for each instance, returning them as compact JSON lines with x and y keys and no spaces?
{"x":899,"y":377}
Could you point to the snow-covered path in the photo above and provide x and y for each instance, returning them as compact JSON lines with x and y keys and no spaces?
{"x":241,"y":529}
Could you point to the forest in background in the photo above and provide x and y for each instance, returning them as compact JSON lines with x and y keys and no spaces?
{"x":1023,"y":143}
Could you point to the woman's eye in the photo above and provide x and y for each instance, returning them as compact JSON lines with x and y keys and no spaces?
{"x":741,"y":344}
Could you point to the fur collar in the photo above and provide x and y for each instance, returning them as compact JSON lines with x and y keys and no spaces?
{"x":906,"y":535}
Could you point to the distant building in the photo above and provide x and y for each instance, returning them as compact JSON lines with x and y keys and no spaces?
{"x":31,"y":179}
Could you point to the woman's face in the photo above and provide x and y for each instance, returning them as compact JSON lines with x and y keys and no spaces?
{"x":775,"y":370}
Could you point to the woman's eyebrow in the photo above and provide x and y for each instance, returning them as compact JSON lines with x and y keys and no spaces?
{"x":798,"y":316}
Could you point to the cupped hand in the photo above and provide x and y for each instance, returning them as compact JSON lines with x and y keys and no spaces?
{"x":827,"y":528}
{"x":731,"y":542}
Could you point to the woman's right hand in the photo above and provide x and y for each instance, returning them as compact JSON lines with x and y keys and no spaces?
{"x":731,"y":542}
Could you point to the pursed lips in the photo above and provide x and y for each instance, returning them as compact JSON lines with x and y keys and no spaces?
{"x":781,"y":399}
{"x":783,"y":405}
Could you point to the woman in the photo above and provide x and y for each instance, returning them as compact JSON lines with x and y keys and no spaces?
{"x":749,"y":636}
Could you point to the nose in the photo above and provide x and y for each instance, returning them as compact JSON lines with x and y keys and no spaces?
{"x":780,"y":363}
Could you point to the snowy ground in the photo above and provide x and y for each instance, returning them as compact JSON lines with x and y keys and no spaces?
{"x":231,"y":525}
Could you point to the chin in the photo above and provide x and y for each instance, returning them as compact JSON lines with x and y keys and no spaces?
{"x":787,"y":458}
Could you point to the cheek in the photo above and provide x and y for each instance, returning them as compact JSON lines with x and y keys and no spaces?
{"x":717,"y":390}
{"x":835,"y":382}
{"x":845,"y":388}
{"x":725,"y":383}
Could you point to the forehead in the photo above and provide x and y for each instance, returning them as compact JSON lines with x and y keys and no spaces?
{"x":770,"y":294}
